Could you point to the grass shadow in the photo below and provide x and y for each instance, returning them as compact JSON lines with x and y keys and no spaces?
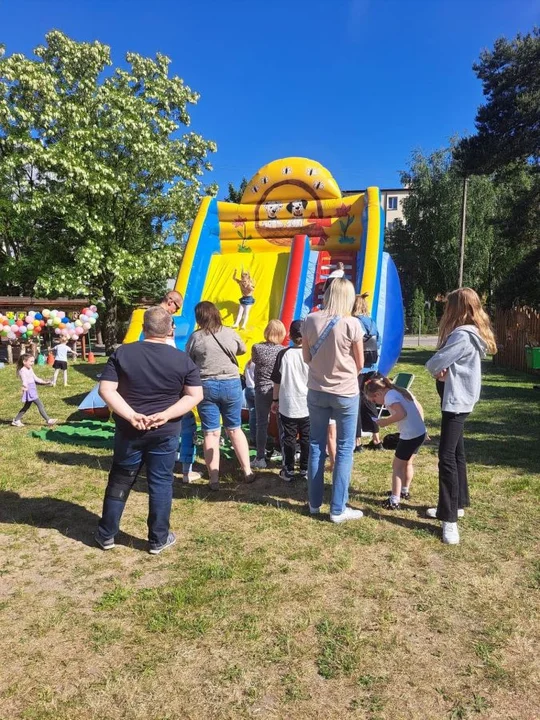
{"x":69,"y":519}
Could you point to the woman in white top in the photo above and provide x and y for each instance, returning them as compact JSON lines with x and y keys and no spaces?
{"x":408,"y":414}
{"x":333,"y":348}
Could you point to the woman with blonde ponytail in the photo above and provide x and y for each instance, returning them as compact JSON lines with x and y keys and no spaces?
{"x":465,"y":337}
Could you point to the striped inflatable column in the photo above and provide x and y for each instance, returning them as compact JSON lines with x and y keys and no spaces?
{"x":293,"y":298}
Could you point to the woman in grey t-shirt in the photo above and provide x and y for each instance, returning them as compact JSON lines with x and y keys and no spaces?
{"x":213,"y":348}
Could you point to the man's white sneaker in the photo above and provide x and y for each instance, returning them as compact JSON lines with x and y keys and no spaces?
{"x":450,"y":534}
{"x":259,"y":464}
{"x":347,"y":514}
{"x":432,"y":513}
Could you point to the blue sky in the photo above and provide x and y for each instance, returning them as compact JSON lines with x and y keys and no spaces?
{"x":354,"y":84}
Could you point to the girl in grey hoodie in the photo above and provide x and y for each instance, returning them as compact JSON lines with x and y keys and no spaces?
{"x":465,"y":336}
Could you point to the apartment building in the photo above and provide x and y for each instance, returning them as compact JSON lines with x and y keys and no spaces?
{"x":392,"y":202}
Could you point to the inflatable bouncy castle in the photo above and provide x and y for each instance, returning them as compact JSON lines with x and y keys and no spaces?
{"x":289,"y":231}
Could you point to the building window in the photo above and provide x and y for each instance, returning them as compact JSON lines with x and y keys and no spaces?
{"x":392,"y":202}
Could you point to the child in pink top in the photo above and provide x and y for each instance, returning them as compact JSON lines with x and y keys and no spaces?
{"x":29,"y":381}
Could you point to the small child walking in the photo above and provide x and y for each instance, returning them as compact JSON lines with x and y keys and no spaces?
{"x":60,"y":363}
{"x":186,"y":452}
{"x":290,"y":375}
{"x":29,"y":381}
{"x":408,"y":414}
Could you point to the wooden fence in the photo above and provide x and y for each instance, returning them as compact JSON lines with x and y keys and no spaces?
{"x":514,"y":330}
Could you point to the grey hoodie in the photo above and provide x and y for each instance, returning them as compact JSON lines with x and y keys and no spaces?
{"x":461,"y":355}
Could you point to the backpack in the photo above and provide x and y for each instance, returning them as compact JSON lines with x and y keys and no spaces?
{"x":371,"y":334}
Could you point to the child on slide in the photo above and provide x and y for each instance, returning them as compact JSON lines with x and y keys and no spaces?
{"x":408,"y":414}
{"x":247,"y":286}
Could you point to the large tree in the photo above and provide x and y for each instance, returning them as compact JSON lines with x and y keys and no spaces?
{"x":234,"y":195}
{"x":507,"y":146}
{"x":98,"y":178}
{"x":426,"y":247}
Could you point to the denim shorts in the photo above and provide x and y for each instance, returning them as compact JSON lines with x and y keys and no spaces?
{"x":221,"y":399}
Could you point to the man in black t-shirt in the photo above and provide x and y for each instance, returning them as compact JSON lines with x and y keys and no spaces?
{"x":148,"y":385}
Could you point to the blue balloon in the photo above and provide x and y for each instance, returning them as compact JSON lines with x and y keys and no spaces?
{"x":38,"y":316}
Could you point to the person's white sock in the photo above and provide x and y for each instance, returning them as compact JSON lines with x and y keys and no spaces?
{"x":395,"y":499}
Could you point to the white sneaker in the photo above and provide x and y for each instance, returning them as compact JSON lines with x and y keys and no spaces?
{"x":52,"y":422}
{"x":432,"y":513}
{"x":314,"y":511}
{"x":259,"y":464}
{"x":347,"y":514}
{"x":450,"y":534}
{"x":191,"y":477}
{"x":17,"y":423}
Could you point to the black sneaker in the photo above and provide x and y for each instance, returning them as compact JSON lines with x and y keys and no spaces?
{"x":389,"y":505}
{"x":104,"y":543}
{"x":287,"y":475}
{"x":375,"y":446}
{"x":156,"y":549}
{"x":405,"y":495}
{"x":359,"y":448}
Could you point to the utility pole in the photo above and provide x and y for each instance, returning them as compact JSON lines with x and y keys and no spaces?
{"x":463,"y":229}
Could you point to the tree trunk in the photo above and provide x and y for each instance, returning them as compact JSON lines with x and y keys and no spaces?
{"x":109,"y":320}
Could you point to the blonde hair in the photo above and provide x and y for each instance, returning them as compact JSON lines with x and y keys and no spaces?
{"x":382,"y":384}
{"x":463,"y":307}
{"x":339,"y":298}
{"x":275,"y":332}
{"x":360,"y":306}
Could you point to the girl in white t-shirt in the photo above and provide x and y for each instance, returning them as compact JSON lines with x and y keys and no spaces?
{"x":407,"y":413}
{"x":60,"y":362}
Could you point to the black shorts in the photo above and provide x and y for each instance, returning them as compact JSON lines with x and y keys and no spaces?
{"x":407,"y":448}
{"x":60,"y":365}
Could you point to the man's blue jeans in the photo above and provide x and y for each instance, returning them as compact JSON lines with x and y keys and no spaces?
{"x":322,"y":406}
{"x":158,"y":453}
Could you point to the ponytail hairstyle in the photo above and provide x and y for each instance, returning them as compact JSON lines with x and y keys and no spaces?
{"x":360,"y":306}
{"x":22,"y":359}
{"x":379,"y":383}
{"x":463,"y":307}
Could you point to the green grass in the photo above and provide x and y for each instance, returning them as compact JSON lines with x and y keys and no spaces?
{"x":259,"y":610}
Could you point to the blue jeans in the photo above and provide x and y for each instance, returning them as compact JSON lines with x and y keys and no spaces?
{"x":158,"y":453}
{"x":322,"y":406}
{"x":187,"y":443}
{"x":250,"y":402}
{"x":221,"y":399}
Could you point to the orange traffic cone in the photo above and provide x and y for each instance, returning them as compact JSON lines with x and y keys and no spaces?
{"x":91,"y":357}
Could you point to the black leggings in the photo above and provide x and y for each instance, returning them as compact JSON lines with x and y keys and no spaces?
{"x":27,"y":405}
{"x":453,"y":487}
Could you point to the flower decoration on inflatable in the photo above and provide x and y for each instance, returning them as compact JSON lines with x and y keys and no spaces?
{"x":25,"y":327}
